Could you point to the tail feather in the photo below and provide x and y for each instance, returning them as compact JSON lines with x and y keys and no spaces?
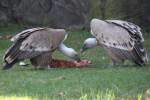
{"x":11,"y":55}
{"x":12,"y":51}
{"x":140,"y":53}
{"x":8,"y":66}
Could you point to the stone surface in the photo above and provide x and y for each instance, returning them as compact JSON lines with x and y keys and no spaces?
{"x":54,"y":13}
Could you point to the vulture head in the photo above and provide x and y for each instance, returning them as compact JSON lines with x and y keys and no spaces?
{"x":89,"y":43}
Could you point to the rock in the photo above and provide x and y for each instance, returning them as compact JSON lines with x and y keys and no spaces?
{"x":3,"y":17}
{"x":54,"y":13}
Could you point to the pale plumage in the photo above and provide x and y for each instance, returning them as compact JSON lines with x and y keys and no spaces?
{"x":36,"y":44}
{"x":122,"y":40}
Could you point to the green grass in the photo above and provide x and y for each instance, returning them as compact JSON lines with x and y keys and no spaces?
{"x":10,"y":28}
{"x":99,"y":81}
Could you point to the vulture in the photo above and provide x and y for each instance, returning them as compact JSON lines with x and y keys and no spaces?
{"x":37,"y":44}
{"x":121,"y":40}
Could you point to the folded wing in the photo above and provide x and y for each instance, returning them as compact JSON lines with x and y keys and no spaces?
{"x":121,"y":38}
{"x":33,"y":43}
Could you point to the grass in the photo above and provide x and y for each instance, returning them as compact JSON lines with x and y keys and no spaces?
{"x":97,"y":82}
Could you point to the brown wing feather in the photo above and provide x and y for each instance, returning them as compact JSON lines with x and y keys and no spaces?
{"x":25,"y":33}
{"x":134,"y":30}
{"x":33,"y":43}
{"x":14,"y":53}
{"x":136,"y":35}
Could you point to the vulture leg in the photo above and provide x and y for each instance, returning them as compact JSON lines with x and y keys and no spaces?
{"x":116,"y":60}
{"x":118,"y":56}
{"x":42,"y":61}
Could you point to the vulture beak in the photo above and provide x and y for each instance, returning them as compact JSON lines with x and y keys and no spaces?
{"x":77,"y":58}
{"x":84,"y":48}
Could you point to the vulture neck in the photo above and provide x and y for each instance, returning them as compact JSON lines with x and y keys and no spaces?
{"x":65,"y":50}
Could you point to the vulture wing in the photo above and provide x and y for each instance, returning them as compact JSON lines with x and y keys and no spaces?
{"x":123,"y":39}
{"x":12,"y":52}
{"x":25,"y":33}
{"x":33,"y":42}
{"x":134,"y":30}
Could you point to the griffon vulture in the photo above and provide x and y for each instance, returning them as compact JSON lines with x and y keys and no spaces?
{"x":121,"y":40}
{"x":37,"y":44}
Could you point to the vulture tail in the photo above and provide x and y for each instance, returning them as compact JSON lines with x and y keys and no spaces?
{"x":8,"y":66}
{"x":11,"y":55}
{"x":140,"y":53}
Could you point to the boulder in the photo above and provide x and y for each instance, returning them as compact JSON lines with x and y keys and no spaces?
{"x":54,"y":13}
